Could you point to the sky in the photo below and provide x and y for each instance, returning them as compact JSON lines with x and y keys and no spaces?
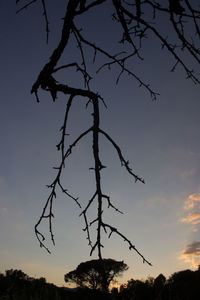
{"x":159,"y":138}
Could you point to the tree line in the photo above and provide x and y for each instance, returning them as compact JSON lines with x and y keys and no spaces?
{"x":182,"y":285}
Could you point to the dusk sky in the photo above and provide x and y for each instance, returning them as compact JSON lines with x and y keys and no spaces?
{"x":160,"y":139}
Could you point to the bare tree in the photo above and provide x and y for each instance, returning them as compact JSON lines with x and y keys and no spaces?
{"x":137,"y":19}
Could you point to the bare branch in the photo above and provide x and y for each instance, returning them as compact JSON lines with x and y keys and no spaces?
{"x":111,"y":205}
{"x":137,"y":20}
{"x":49,"y":203}
{"x":84,"y":8}
{"x":131,"y":246}
{"x":88,"y":205}
{"x":84,"y":213}
{"x":189,"y":72}
{"x":87,"y":77}
{"x":114,"y":60}
{"x":123,"y":161}
{"x":46,"y":19}
{"x":25,"y":6}
{"x":62,"y":142}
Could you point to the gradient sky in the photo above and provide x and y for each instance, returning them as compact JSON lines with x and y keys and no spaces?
{"x":160,"y":139}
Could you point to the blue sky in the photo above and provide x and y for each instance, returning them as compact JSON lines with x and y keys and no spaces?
{"x":160,"y":139}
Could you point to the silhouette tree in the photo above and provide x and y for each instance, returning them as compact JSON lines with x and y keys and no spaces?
{"x":16,"y":285}
{"x":185,"y":284}
{"x":137,"y":290}
{"x":137,"y":20}
{"x":16,"y":274}
{"x":158,"y":285}
{"x":96,"y":274}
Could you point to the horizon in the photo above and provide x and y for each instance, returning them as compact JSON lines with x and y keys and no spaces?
{"x":116,"y":282}
{"x":159,"y":138}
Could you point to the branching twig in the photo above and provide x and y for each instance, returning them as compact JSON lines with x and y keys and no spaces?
{"x":136,"y":22}
{"x":63,"y":129}
{"x":49,"y":202}
{"x":123,"y":161}
{"x":25,"y":6}
{"x":46,"y":19}
{"x":118,"y":62}
{"x":111,"y":205}
{"x":131,"y":246}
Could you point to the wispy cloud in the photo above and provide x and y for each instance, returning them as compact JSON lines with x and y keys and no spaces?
{"x":192,"y":200}
{"x":193,"y":248}
{"x":193,"y":218}
{"x":191,"y":254}
{"x":192,"y":205}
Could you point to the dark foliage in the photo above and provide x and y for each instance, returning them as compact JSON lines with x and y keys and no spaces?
{"x":183,"y":285}
{"x":16,"y":285}
{"x":96,"y":274}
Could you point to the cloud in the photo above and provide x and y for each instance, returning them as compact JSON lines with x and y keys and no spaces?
{"x":193,"y":248}
{"x":192,"y":201}
{"x":191,"y":254}
{"x":193,"y":218}
{"x":195,"y":197}
{"x":193,"y":204}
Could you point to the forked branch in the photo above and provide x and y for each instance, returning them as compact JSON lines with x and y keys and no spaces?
{"x":137,"y":20}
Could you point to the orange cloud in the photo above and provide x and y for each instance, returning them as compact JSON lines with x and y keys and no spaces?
{"x":191,"y":254}
{"x":194,"y":197}
{"x":193,"y":218}
{"x":192,"y":200}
